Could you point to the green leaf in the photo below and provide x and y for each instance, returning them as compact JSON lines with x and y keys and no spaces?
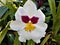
{"x":58,"y":15}
{"x":3,"y":33}
{"x":30,"y":42}
{"x":54,"y":14}
{"x":52,"y":6}
{"x":45,"y":40}
{"x":10,"y":12}
{"x":5,"y":16}
{"x":10,"y":36}
{"x":57,"y":38}
{"x":57,"y":21}
{"x":2,"y":11}
{"x":58,"y":10}
{"x":56,"y":27}
{"x":16,"y":41}
{"x":48,"y":18}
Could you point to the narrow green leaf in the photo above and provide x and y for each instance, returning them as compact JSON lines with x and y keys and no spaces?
{"x":10,"y":36}
{"x":52,"y":6}
{"x":3,"y":33}
{"x":54,"y":13}
{"x":48,"y":18}
{"x":57,"y":22}
{"x":30,"y":42}
{"x":16,"y":41}
{"x":2,"y":11}
{"x":6,"y":15}
{"x":57,"y":38}
{"x":56,"y":27}
{"x":45,"y":40}
{"x":58,"y":10}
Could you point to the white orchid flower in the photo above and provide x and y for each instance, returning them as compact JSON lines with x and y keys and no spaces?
{"x":29,"y":23}
{"x":4,"y":1}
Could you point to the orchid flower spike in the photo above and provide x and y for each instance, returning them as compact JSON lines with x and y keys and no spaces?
{"x":29,"y":23}
{"x":4,"y":1}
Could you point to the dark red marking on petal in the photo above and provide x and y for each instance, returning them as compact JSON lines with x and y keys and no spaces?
{"x":34,"y":20}
{"x":25,"y":19}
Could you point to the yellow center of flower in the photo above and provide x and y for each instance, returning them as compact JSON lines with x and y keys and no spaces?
{"x":29,"y":27}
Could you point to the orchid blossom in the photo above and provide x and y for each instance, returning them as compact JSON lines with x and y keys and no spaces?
{"x":4,"y":1}
{"x":29,"y":23}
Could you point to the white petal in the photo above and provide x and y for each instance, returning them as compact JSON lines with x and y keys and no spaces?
{"x":25,"y":34}
{"x":41,"y":26}
{"x":15,"y":25}
{"x":30,"y":7}
{"x":39,"y":32}
{"x":37,"y":41}
{"x":29,"y":3}
{"x":37,"y":35}
{"x":41,"y":16}
{"x":20,"y":12}
{"x":22,"y":39}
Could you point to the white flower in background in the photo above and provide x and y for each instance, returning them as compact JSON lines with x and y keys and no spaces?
{"x":29,"y":23}
{"x":4,"y":1}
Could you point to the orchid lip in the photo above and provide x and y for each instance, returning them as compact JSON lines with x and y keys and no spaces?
{"x":26,"y":19}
